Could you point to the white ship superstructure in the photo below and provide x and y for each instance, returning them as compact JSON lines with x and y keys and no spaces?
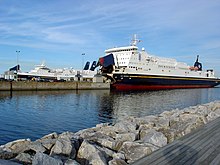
{"x":43,"y":72}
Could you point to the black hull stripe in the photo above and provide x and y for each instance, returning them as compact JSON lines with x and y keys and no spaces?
{"x":162,"y":80}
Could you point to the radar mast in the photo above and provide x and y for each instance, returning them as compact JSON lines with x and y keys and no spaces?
{"x":134,"y":40}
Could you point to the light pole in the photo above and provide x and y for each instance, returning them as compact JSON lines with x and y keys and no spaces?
{"x":83,"y":54}
{"x":17,"y":51}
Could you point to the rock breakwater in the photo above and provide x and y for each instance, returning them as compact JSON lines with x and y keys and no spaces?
{"x":115,"y":144}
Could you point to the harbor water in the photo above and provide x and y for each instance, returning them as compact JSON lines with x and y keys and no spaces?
{"x":33,"y":114}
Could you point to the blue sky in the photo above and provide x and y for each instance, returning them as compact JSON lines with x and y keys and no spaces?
{"x":59,"y":31}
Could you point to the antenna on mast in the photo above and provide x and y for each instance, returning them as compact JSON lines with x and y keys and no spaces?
{"x":134,"y":40}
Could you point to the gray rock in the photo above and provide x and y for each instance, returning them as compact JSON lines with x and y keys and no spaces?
{"x":63,"y":146}
{"x":71,"y":162}
{"x":18,"y":146}
{"x":37,"y":147}
{"x":131,"y":136}
{"x":153,"y":137}
{"x":107,"y":152}
{"x":118,"y":155}
{"x":134,"y":150}
{"x":101,"y":125}
{"x":186,"y":123}
{"x":163,"y":122}
{"x":24,"y":158}
{"x":211,"y":116}
{"x":47,"y":143}
{"x":196,"y":109}
{"x":50,"y":136}
{"x":147,"y":120}
{"x":8,"y":162}
{"x":109,"y":131}
{"x":125,"y":126}
{"x":89,"y":154}
{"x":86,"y":132}
{"x":146,"y":126}
{"x":43,"y":159}
{"x":117,"y":162}
{"x":103,"y":140}
{"x":66,"y":134}
{"x":215,"y":106}
{"x":169,"y":134}
{"x":166,"y":114}
{"x":76,"y":140}
{"x":110,"y":143}
{"x":217,"y":111}
{"x":7,"y":155}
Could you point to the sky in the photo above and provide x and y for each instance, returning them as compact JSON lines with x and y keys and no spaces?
{"x":60,"y":31}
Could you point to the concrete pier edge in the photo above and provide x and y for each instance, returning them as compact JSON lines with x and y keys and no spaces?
{"x":37,"y":86}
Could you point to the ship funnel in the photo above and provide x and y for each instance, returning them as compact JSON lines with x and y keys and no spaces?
{"x":86,"y":67}
{"x":197,"y":64}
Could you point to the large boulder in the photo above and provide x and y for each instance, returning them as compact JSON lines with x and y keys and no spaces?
{"x":212,"y":116}
{"x":216,"y":106}
{"x":125,"y":126}
{"x":130,"y":136}
{"x":64,"y":147}
{"x":203,"y":110}
{"x":151,"y":136}
{"x":43,"y":159}
{"x":71,"y":162}
{"x":108,"y":153}
{"x":163,"y":122}
{"x":186,"y":123}
{"x":117,"y":162}
{"x":48,"y":141}
{"x":53,"y":135}
{"x":150,"y":120}
{"x":109,"y":131}
{"x":85,"y":133}
{"x":8,"y":162}
{"x":134,"y":150}
{"x":37,"y":146}
{"x":24,"y":158}
{"x":88,"y":153}
{"x":103,"y":140}
{"x":17,"y":146}
{"x":7,"y":155}
{"x":168,"y":133}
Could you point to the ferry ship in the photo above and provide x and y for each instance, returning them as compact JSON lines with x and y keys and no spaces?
{"x":129,"y":68}
{"x":42,"y":72}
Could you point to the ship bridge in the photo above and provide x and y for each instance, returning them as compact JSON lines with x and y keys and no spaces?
{"x":120,"y":49}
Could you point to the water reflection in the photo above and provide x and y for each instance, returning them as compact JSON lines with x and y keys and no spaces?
{"x":32,"y":114}
{"x":155,"y":102}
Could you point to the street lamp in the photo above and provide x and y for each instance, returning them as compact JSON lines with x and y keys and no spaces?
{"x":17,"y":51}
{"x":83,"y":54}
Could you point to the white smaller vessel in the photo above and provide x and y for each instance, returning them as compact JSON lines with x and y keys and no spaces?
{"x":42,"y":72}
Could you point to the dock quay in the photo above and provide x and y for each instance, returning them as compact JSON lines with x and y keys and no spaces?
{"x":37,"y":86}
{"x":199,"y":147}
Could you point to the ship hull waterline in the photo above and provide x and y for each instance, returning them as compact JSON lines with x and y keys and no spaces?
{"x":140,"y":82}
